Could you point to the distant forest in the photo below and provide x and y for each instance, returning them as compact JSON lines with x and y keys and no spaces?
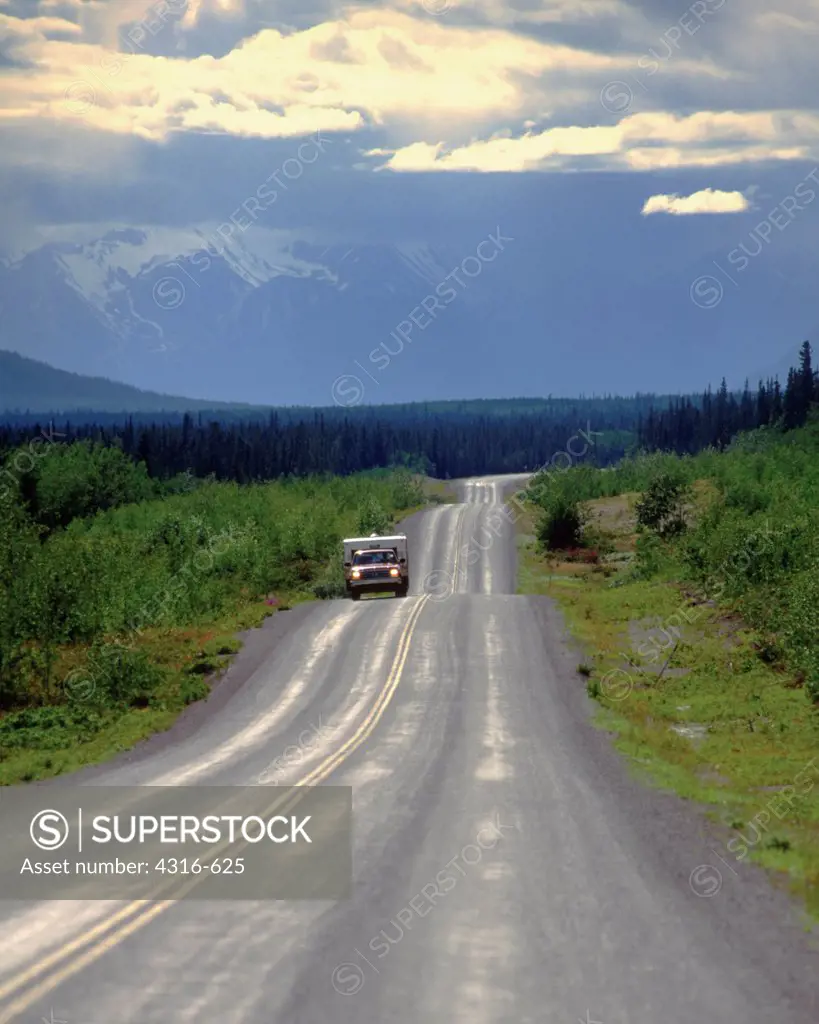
{"x":686,"y":427}
{"x":443,"y":439}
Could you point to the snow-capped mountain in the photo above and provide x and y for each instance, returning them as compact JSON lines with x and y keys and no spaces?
{"x":278,"y":317}
{"x":281,"y":314}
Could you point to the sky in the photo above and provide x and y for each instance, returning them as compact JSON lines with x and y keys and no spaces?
{"x":631,"y":134}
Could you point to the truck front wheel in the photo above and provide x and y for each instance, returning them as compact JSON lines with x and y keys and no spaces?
{"x":355,"y":594}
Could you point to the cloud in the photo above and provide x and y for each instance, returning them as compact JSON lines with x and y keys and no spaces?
{"x":373,"y":67}
{"x":648,"y":141}
{"x":501,"y":12}
{"x":194,"y":9}
{"x":707,"y":200}
{"x":774,"y":20}
{"x":436,"y":85}
{"x":28,"y":30}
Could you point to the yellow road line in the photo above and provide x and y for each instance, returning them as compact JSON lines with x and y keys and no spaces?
{"x":11,"y":986}
{"x":108,"y":942}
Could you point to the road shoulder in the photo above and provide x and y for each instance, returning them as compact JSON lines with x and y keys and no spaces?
{"x":690,"y":705}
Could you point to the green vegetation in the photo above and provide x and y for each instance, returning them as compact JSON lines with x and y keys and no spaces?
{"x":59,"y":483}
{"x":561,"y":524}
{"x":446,"y":443}
{"x":118,"y":593}
{"x":753,"y":539}
{"x":662,"y":507}
{"x":700,"y":628}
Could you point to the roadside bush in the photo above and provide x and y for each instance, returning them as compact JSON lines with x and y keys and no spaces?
{"x":175,"y":561}
{"x":601,"y":541}
{"x":800,"y":626}
{"x":331,"y":583}
{"x":661,"y":509}
{"x":653,"y":557}
{"x":191,"y":690}
{"x":373,"y":518}
{"x":748,"y":496}
{"x":49,"y":728}
{"x":561,"y":524}
{"x":19,"y":549}
{"x":407,"y":491}
{"x":750,"y":540}
{"x":116,"y":675}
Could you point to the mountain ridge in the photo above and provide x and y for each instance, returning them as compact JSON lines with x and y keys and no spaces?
{"x":32,"y":386}
{"x":284,"y":317}
{"x":27,"y":386}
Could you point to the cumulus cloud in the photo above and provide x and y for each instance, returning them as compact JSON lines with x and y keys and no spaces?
{"x":373,"y":66}
{"x":648,"y":141}
{"x":707,"y":200}
{"x":446,"y":93}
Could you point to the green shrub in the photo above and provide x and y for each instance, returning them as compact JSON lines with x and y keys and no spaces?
{"x":331,"y":583}
{"x":373,"y":518}
{"x":68,"y":481}
{"x":191,"y":690}
{"x":748,"y":496}
{"x":652,"y":557}
{"x":800,"y":625}
{"x":755,"y":548}
{"x":407,"y":491}
{"x":661,"y":508}
{"x":178,"y":560}
{"x":561,"y":524}
{"x":49,"y":728}
{"x":120,"y":675}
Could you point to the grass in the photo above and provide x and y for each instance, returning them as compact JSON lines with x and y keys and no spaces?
{"x":694,"y":709}
{"x":121,"y":620}
{"x":191,"y":660}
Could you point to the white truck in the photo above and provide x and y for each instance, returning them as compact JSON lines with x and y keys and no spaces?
{"x":376,"y":563}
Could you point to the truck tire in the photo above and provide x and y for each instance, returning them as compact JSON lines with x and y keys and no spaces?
{"x":355,"y":594}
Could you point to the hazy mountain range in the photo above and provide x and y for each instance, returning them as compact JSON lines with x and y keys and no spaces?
{"x":279,"y":317}
{"x":27,"y":385}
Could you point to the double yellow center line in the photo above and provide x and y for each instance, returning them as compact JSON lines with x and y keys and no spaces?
{"x":35,"y":982}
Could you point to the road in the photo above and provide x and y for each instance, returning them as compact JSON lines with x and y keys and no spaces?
{"x":507,"y":867}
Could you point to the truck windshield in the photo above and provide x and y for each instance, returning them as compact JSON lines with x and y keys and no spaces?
{"x":374,"y":558}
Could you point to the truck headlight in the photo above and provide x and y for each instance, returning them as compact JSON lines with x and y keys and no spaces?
{"x":355,"y":573}
{"x":394,"y":572}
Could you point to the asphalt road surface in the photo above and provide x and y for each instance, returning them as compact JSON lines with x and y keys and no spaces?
{"x":507,"y":868}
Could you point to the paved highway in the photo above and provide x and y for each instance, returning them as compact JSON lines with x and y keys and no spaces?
{"x":506,"y":866}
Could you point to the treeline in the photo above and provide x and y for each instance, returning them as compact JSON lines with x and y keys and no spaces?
{"x":612,"y":408}
{"x":435,"y":444}
{"x":443,"y":439}
{"x":687,"y":426}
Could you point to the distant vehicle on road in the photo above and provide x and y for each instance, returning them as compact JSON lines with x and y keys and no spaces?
{"x":376,"y":563}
